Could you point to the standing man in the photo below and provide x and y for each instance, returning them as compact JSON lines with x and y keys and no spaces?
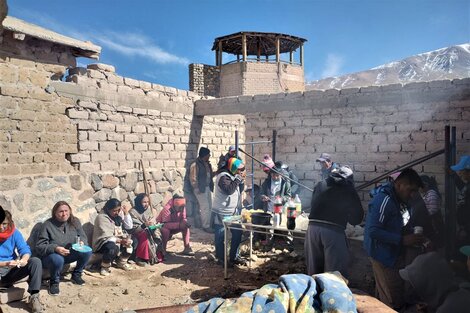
{"x":384,"y":241}
{"x":463,"y":199}
{"x":223,"y":159}
{"x":200,"y":176}
{"x":335,"y":202}
{"x":327,"y":165}
{"x":228,"y":202}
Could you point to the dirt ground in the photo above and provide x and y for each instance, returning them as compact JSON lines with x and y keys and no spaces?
{"x":179,"y":280}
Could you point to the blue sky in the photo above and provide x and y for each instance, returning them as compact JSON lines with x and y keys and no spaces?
{"x":155,"y":40}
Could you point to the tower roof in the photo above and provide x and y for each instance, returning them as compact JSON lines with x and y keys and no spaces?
{"x":258,"y":43}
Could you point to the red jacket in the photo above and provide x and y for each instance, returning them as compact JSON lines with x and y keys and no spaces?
{"x":170,"y":216}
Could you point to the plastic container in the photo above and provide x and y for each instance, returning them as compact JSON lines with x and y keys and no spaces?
{"x":298,"y":204}
{"x":276,"y":220}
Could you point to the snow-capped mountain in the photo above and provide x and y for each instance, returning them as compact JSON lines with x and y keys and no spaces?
{"x":446,"y":63}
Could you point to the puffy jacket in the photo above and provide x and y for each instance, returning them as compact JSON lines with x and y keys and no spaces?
{"x":384,"y":223}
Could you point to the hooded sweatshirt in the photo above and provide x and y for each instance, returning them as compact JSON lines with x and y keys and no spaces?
{"x":335,"y":200}
{"x":433,"y":282}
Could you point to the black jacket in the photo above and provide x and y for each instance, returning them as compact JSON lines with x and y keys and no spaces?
{"x":335,"y":200}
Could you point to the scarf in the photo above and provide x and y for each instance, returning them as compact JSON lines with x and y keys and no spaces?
{"x":138,"y":203}
{"x":7,"y":233}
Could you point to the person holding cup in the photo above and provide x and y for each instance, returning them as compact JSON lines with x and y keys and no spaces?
{"x":55,"y":240}
{"x":16,"y":266}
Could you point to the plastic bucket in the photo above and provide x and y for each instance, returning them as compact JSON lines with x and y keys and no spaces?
{"x":261,"y":218}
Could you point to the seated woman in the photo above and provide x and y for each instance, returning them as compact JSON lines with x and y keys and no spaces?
{"x":149,"y":247}
{"x":173,"y":216}
{"x":13,"y":266}
{"x":56,"y":237}
{"x":110,"y":237}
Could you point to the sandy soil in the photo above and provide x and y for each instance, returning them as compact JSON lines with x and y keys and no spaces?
{"x":179,"y":280}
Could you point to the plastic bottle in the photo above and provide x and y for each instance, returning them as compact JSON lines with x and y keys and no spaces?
{"x":77,"y":240}
{"x":276,"y":220}
{"x":291,"y":214}
{"x":278,"y":208}
{"x":298,"y":205}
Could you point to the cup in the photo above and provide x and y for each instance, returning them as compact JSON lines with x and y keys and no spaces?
{"x":418,"y":230}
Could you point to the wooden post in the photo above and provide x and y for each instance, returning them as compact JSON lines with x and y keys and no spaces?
{"x":244,"y":47}
{"x":220,"y":53}
{"x":238,"y":57}
{"x":217,"y":57}
{"x":302,"y":54}
{"x":258,"y":55}
{"x":291,"y":57}
{"x":278,"y":48}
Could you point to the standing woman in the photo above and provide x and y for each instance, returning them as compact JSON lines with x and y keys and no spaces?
{"x":56,"y":237}
{"x":110,"y":237}
{"x":433,"y":200}
{"x":149,"y":247}
{"x":15,"y":266}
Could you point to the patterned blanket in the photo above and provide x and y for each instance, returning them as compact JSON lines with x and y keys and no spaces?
{"x":294,"y":293}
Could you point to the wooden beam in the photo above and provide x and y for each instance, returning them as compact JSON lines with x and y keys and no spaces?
{"x":302,"y":54}
{"x":258,"y":54}
{"x":217,"y":57}
{"x":278,"y":56}
{"x":244,"y":47}
{"x":220,"y":53}
{"x":291,"y":57}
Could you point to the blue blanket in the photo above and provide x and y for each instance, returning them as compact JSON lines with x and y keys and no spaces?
{"x":294,"y":293}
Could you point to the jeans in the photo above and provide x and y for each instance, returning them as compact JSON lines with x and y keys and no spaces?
{"x":219,"y":242}
{"x":55,"y":263}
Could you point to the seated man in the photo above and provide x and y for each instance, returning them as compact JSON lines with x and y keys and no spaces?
{"x":173,"y":216}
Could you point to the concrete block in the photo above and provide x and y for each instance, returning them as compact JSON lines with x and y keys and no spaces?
{"x":131,"y":138}
{"x":87,"y":125}
{"x":79,"y":158}
{"x":18,"y":292}
{"x":122,"y":128}
{"x":107,"y":146}
{"x":76,"y":114}
{"x":102,"y":67}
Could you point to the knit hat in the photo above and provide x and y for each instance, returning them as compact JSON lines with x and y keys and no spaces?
{"x":203,"y":152}
{"x":268,"y":163}
{"x":234,"y":164}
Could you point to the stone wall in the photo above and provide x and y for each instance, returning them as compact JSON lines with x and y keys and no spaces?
{"x":204,"y":79}
{"x":81,"y":140}
{"x":373,"y":129}
{"x":251,"y":78}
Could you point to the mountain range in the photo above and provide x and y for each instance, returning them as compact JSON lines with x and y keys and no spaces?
{"x":446,"y":63}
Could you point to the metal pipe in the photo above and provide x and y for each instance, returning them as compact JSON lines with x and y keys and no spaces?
{"x":272,"y":169}
{"x":236,"y":144}
{"x":252,"y":178}
{"x":274,"y":145}
{"x":254,"y":142}
{"x":447,"y":179}
{"x":407,"y":165}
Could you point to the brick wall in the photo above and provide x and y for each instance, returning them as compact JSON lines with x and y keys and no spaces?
{"x":250,"y":78}
{"x":81,"y":140}
{"x":204,"y":79}
{"x":373,"y":129}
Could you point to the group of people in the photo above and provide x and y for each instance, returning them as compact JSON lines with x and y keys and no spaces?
{"x":119,"y":233}
{"x":403,"y":227}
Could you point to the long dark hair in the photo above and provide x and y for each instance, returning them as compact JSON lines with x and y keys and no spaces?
{"x":71,"y":219}
{"x":429,"y":182}
{"x":111,"y":204}
{"x":138,"y":202}
{"x":9,"y":218}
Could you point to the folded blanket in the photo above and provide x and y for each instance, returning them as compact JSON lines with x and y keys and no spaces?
{"x":294,"y":293}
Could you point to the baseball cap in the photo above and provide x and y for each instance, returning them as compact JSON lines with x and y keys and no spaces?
{"x":231,"y":148}
{"x":464,"y":164}
{"x":324,"y":157}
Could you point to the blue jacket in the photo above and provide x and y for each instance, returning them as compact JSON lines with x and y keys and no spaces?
{"x":384,"y":223}
{"x":7,"y":248}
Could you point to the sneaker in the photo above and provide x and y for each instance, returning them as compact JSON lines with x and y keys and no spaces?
{"x":188,"y":251}
{"x":124,"y":266}
{"x":140,"y":262}
{"x":105,"y":271}
{"x":54,"y":289}
{"x":239,"y":261}
{"x":77,"y":279}
{"x":35,"y":304}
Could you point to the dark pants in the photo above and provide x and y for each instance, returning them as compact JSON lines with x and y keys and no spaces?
{"x":326,"y":249}
{"x":55,"y":263}
{"x":110,"y":251}
{"x":219,"y":242}
{"x":33,"y":269}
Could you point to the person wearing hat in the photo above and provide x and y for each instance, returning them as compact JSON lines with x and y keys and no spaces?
{"x":384,"y":240}
{"x":274,"y":186}
{"x":173,"y":217}
{"x":223,"y":159}
{"x":16,"y":262}
{"x":433,"y":283}
{"x":463,"y":199}
{"x":227,"y":202}
{"x":335,"y":203}
{"x":268,"y":163}
{"x":327,"y":165}
{"x":200,"y":176}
